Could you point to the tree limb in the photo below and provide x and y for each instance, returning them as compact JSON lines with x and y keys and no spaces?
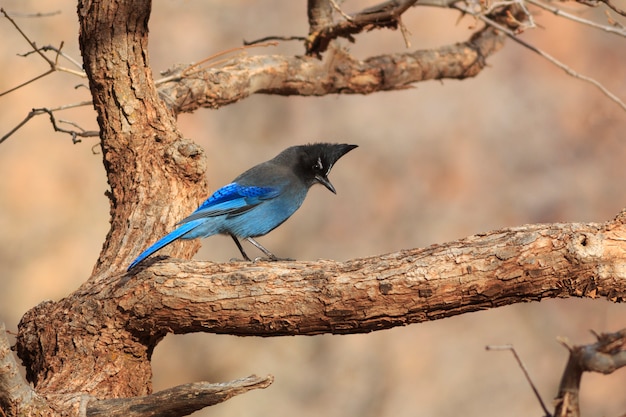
{"x":507,"y":266}
{"x":177,"y":401}
{"x":484,"y":271}
{"x":384,"y":15}
{"x":338,"y":73}
{"x":605,"y":356}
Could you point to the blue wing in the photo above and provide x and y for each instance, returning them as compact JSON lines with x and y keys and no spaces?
{"x":230,"y":200}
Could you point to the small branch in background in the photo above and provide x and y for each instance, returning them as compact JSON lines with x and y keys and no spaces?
{"x":64,"y":55}
{"x":525,"y":371}
{"x":558,"y":12}
{"x":609,"y":4}
{"x":605,"y":356}
{"x":383,"y":15}
{"x":76,"y":134}
{"x":176,"y":401}
{"x":39,"y":14}
{"x":338,"y":10}
{"x":53,"y":64}
{"x":180,"y":72}
{"x":512,"y":35}
{"x":274,"y":38}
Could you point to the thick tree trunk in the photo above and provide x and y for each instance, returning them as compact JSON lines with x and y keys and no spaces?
{"x":148,"y":163}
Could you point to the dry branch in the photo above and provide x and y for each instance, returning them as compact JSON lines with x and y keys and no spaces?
{"x":484,"y":271}
{"x":383,"y":15}
{"x":503,"y":267}
{"x":338,"y":73}
{"x":177,"y":401}
{"x":605,"y":356}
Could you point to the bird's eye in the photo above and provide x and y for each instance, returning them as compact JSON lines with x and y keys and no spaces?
{"x":319,"y":166}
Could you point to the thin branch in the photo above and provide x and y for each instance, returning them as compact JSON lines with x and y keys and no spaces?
{"x":178,"y":73}
{"x":177,"y":401}
{"x":64,"y":55}
{"x":39,"y":14}
{"x":52,"y":64}
{"x":26,"y":82}
{"x":386,"y":14}
{"x":605,"y":356}
{"x":512,"y":35}
{"x":31,"y":43}
{"x":558,"y":12}
{"x":74,"y":133}
{"x":526,"y":374}
{"x":609,"y":4}
{"x":337,"y":8}
{"x":274,"y":38}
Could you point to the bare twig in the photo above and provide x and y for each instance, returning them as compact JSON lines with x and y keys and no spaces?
{"x":384,"y":15}
{"x":609,"y":4}
{"x":338,"y":10}
{"x":274,"y":38}
{"x":178,"y":73}
{"x":26,"y":82}
{"x":558,"y":12}
{"x":61,"y":53}
{"x":39,"y":14}
{"x":524,"y":370}
{"x":605,"y":356}
{"x":36,"y":112}
{"x":512,"y":35}
{"x":406,"y":33}
{"x":53,"y":64}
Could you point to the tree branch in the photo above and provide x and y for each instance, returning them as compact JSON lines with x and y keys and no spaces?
{"x":605,"y":356}
{"x":484,"y":271}
{"x":512,"y":35}
{"x":383,"y":15}
{"x":177,"y":401}
{"x":338,"y":73}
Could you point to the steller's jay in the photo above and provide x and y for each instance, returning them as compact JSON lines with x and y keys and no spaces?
{"x":260,"y":199}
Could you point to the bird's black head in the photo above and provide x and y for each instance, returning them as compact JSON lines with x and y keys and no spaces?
{"x":313,"y":162}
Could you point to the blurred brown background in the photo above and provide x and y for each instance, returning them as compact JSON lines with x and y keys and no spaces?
{"x":521,"y":143}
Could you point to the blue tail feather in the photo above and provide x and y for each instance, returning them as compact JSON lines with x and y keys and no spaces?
{"x":165,"y":240}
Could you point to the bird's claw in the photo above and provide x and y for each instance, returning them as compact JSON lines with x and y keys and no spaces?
{"x":272,"y":259}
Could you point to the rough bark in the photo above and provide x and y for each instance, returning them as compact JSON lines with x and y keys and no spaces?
{"x":148,"y":163}
{"x":188,"y":88}
{"x":126,"y":316}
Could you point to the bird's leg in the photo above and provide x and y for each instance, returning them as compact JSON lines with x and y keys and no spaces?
{"x":267,"y":253}
{"x":243,"y":253}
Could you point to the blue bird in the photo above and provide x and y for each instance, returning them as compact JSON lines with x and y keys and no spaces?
{"x":260,"y":199}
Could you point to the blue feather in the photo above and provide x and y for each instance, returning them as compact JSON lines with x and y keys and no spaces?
{"x":166,"y":240}
{"x":232,"y":199}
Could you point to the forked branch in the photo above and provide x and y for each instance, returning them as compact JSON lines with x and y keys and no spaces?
{"x":605,"y":356}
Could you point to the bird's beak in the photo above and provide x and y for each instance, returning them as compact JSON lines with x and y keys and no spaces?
{"x":322,"y":179}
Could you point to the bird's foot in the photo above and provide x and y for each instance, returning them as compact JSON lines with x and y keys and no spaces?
{"x":272,"y":259}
